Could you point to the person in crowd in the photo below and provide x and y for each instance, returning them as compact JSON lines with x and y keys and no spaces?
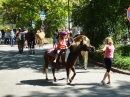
{"x":76,"y":30}
{"x":69,"y":41}
{"x":61,"y":43}
{"x":108,"y":50}
{"x":22,"y":33}
{"x":7,"y":36}
{"x":54,"y":38}
{"x":57,"y":33}
{"x":12,"y":36}
{"x":3,"y":34}
{"x":69,"y":38}
{"x":0,"y":36}
{"x":16,"y":35}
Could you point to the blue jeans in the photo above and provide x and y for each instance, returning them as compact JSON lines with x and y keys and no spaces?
{"x":11,"y":41}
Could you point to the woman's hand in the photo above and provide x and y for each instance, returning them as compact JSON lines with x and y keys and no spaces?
{"x":99,"y":50}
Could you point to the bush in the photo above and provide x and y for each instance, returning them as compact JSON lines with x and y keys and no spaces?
{"x":122,"y":57}
{"x":123,"y":50}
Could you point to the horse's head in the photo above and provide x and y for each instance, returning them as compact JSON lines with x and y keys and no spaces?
{"x":86,"y":46}
{"x":91,"y":49}
{"x":85,"y":43}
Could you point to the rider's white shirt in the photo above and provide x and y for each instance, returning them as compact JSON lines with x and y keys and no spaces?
{"x":0,"y":34}
{"x":77,"y":30}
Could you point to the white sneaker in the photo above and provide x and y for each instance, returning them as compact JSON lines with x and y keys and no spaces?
{"x":54,"y":61}
{"x":103,"y":82}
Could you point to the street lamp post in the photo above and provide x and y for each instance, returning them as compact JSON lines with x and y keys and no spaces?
{"x":68,"y":15}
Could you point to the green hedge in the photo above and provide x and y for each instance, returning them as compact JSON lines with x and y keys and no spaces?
{"x":122,"y":57}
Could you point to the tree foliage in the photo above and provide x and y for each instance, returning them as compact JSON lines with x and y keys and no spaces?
{"x":102,"y":18}
{"x":99,"y":18}
{"x":23,"y":12}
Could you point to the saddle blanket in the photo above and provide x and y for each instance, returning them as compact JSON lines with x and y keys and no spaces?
{"x":52,"y":52}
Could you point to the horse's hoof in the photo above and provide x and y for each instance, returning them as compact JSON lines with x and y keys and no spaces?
{"x":70,"y":81}
{"x":84,"y":68}
{"x":54,"y":79}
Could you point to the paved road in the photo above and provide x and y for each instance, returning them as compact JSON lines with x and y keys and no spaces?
{"x":21,"y":76}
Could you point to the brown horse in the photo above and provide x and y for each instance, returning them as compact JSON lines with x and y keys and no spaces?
{"x":30,"y":37}
{"x":40,"y":38}
{"x":75,"y":50}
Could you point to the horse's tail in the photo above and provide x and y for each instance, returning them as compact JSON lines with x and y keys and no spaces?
{"x":46,"y":62}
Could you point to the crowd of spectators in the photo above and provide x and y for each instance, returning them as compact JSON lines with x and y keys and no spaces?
{"x":8,"y":37}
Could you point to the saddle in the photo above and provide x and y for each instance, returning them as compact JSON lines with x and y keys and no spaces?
{"x":52,"y":53}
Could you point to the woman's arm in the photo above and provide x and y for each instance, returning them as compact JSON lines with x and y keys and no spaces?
{"x":102,"y":50}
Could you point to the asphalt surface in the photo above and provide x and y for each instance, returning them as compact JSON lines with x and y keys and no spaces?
{"x":21,"y":76}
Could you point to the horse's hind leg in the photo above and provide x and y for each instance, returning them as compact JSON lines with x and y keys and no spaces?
{"x":33,"y":51}
{"x":21,"y":46}
{"x":29,"y":47}
{"x":53,"y":71}
{"x":46,"y":73}
{"x":45,"y":70}
{"x":45,"y":64}
{"x":33,"y":46}
{"x":42,"y":43}
{"x":68,"y":70}
{"x":73,"y":69}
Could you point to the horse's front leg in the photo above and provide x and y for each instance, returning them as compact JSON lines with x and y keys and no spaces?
{"x":46,"y":70}
{"x":73,"y":69}
{"x":53,"y":71}
{"x":68,"y":70}
{"x":85,"y":58}
{"x":33,"y":47}
{"x":29,"y":47}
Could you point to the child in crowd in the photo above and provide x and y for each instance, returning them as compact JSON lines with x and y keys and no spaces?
{"x":54,"y":38}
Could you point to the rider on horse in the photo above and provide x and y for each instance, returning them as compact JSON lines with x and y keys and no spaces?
{"x":61,"y":46}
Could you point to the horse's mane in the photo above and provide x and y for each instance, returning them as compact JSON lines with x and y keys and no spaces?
{"x":79,"y":37}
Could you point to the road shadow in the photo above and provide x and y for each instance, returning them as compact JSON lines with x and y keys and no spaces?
{"x":87,"y":89}
{"x":13,"y":60}
{"x":41,"y":82}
